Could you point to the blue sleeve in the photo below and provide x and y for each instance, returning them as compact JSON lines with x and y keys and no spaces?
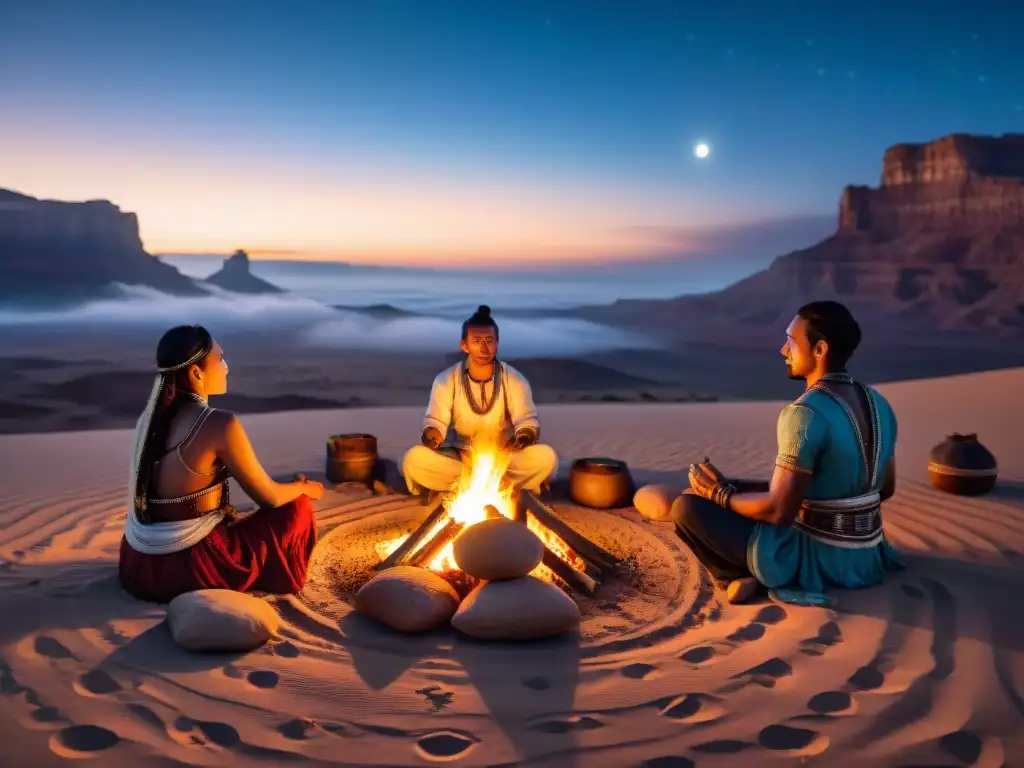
{"x":803,"y":436}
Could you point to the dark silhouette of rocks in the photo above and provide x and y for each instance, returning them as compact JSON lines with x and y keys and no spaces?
{"x":53,"y":250}
{"x":236,"y":276}
{"x":939,"y":245}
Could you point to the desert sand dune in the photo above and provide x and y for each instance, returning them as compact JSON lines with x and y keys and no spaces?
{"x":925,"y":670}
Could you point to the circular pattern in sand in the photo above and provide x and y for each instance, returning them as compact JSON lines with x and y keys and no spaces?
{"x":660,"y":592}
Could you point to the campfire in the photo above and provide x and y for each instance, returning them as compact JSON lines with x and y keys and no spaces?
{"x":570,"y":560}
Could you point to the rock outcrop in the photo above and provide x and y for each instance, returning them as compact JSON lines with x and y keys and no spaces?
{"x":972,"y":183}
{"x":236,"y":276}
{"x":52,"y":249}
{"x":939,"y":245}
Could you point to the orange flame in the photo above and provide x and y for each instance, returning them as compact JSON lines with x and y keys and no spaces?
{"x":482,"y":484}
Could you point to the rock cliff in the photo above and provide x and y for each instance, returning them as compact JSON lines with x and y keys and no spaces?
{"x":959,"y":182}
{"x":51,"y":249}
{"x":940,"y":244}
{"x":236,"y":276}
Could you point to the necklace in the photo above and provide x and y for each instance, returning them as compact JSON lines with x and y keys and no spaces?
{"x":484,"y":408}
{"x":196,"y":398}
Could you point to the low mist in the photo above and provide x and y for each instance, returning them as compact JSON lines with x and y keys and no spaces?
{"x":308,"y":323}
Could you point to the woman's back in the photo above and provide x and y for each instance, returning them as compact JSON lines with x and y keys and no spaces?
{"x":187,"y":476}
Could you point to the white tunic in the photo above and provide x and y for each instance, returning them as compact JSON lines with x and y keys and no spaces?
{"x":450,"y":413}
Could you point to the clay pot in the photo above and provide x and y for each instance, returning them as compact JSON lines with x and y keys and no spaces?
{"x":351,"y":458}
{"x":600,"y":483}
{"x":962,"y":465}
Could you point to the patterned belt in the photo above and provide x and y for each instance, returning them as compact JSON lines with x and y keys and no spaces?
{"x":193,"y":505}
{"x":854,"y":523}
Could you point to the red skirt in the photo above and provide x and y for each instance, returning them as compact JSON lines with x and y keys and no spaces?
{"x":266,"y":552}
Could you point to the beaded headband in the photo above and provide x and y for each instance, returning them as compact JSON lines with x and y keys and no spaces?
{"x":186,"y":364}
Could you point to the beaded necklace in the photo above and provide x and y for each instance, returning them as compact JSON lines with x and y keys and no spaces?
{"x":488,"y":404}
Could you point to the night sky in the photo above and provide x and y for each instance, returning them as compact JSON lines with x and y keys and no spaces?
{"x":425,"y":131}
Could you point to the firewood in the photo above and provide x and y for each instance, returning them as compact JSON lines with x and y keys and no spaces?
{"x":585,"y":548}
{"x":399,"y":555}
{"x":520,"y":512}
{"x":579,"y":582}
{"x":430,"y":550}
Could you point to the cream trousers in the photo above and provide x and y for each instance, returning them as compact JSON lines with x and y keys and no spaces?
{"x":438,"y":470}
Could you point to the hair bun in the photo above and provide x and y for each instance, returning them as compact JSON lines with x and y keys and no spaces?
{"x":483,"y":311}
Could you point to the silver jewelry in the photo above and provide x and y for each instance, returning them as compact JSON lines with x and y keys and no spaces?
{"x":197,"y":398}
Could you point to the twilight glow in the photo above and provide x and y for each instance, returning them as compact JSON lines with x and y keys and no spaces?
{"x":517,"y":131}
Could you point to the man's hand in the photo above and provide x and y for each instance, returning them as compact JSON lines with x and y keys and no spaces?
{"x":708,"y":483}
{"x":524,"y":437}
{"x":431,"y":438}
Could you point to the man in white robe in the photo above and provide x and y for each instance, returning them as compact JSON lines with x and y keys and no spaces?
{"x":478,"y":395}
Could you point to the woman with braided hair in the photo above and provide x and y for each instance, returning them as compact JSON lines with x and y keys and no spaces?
{"x":180,"y":534}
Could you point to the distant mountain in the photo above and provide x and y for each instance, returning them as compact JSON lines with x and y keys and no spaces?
{"x":236,"y":276}
{"x":52,"y":250}
{"x":939,"y":245}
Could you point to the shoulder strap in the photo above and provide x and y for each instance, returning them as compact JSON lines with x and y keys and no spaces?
{"x":869,"y":444}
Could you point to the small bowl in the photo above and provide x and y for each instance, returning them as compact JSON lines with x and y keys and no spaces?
{"x":600,"y":483}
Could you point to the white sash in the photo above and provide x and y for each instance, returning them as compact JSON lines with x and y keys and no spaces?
{"x":160,"y":538}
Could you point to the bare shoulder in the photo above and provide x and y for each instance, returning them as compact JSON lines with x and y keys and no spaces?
{"x":223,"y":424}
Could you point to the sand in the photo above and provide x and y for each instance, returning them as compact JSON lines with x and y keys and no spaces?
{"x":927,"y":669}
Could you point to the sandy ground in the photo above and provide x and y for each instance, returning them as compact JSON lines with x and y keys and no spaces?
{"x":925,"y":670}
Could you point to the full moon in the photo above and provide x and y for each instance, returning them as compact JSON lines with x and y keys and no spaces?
{"x":701,"y":150}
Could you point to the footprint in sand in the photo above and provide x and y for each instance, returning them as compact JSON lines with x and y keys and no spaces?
{"x":47,"y":715}
{"x":793,"y":741}
{"x":829,"y":634}
{"x":639,"y":671}
{"x":537,"y":683}
{"x":297,"y":729}
{"x":218,"y":734}
{"x":963,"y":745}
{"x":698,"y":655}
{"x":767,"y":673}
{"x":771,"y":614}
{"x":52,"y":649}
{"x":263,"y":678}
{"x":445,"y":745}
{"x":832,"y":703}
{"x":230,"y":670}
{"x":82,"y":740}
{"x":96,"y":682}
{"x":691,"y":708}
{"x":285,"y":649}
{"x":748,"y":632}
{"x":572,"y":724}
{"x":867,"y":678}
{"x":667,"y":761}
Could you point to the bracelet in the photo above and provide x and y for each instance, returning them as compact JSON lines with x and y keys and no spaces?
{"x":721,"y":494}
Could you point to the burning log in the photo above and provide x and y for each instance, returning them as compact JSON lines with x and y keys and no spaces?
{"x":576,"y":580}
{"x":588,"y":550}
{"x":399,"y":555}
{"x":428,"y":551}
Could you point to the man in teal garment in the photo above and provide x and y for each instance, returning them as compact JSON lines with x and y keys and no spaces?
{"x":818,"y":523}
